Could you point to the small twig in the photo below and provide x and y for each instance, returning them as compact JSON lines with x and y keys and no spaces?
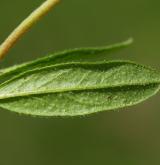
{"x":26,"y":25}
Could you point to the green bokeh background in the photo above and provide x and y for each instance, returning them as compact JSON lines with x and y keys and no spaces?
{"x":116,"y":138}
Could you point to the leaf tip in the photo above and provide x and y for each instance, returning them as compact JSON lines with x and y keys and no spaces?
{"x":129,"y":41}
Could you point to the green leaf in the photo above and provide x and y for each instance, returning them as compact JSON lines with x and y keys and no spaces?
{"x":74,"y":55}
{"x":79,"y":88}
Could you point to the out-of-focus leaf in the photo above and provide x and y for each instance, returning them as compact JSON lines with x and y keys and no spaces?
{"x":73,"y":55}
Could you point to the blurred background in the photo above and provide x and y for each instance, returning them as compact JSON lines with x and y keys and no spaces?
{"x":127,"y":137}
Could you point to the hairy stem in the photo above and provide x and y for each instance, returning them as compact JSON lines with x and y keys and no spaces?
{"x":26,"y":25}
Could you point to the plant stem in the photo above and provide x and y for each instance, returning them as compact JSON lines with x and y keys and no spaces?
{"x":26,"y":25}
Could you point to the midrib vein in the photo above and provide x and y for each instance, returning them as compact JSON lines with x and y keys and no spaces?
{"x":41,"y":92}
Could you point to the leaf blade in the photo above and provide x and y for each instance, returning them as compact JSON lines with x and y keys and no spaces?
{"x":124,"y":84}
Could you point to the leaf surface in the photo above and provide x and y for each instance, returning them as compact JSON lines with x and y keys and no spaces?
{"x":79,"y":88}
